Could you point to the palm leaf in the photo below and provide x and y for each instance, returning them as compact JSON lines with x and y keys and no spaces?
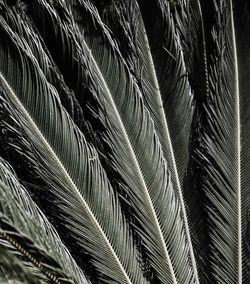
{"x":158,"y":70}
{"x":124,"y":20}
{"x":142,"y":149}
{"x":22,"y":26}
{"x":137,"y":153}
{"x":77,"y":177}
{"x":27,"y":230}
{"x":144,"y":57}
{"x":226,"y":141}
{"x":161,"y":81}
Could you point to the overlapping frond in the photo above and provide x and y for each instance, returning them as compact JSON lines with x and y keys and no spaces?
{"x":153,"y":53}
{"x":24,"y":228}
{"x":137,"y":154}
{"x":23,"y":27}
{"x":109,"y":108}
{"x":69,"y":165}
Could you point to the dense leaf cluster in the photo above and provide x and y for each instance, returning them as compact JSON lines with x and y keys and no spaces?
{"x":124,"y":141}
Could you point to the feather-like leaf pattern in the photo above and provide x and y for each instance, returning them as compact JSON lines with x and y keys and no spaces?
{"x":138,"y":156}
{"x":188,"y":16}
{"x":125,"y":21}
{"x":70,"y":166}
{"x":25,"y":227}
{"x":160,"y":71}
{"x":22,"y":26}
{"x":226,"y":141}
{"x":127,"y":127}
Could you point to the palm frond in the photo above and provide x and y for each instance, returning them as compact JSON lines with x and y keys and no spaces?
{"x":22,"y":26}
{"x":160,"y":72}
{"x":226,"y":143}
{"x":127,"y":125}
{"x":28,"y":231}
{"x":123,"y":18}
{"x":69,"y":165}
{"x":137,"y":153}
{"x":168,"y":81}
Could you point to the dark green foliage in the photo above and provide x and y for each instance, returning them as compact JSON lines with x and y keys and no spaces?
{"x":124,"y":141}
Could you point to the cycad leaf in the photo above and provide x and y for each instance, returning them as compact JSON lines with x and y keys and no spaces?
{"x":157,"y":63}
{"x":167,"y":80}
{"x":25,"y":227}
{"x":22,"y":26}
{"x":70,"y":166}
{"x":164,"y":74}
{"x":137,"y":153}
{"x":226,"y":143}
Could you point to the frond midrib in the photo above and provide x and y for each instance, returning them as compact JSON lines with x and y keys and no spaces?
{"x":170,"y":146}
{"x":139,"y":171}
{"x":238,"y":148}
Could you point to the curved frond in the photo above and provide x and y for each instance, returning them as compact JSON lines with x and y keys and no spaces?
{"x":161,"y":76}
{"x":191,"y":22}
{"x":28,"y":231}
{"x":69,"y":165}
{"x":22,"y":26}
{"x":137,"y":151}
{"x":167,"y":93}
